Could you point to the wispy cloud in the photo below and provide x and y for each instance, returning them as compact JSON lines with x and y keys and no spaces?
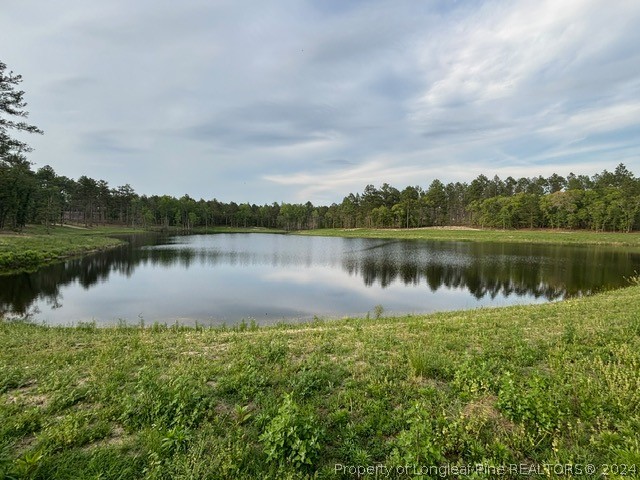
{"x":311,"y":100}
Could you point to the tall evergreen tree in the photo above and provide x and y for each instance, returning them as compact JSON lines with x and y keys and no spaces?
{"x":12,"y":115}
{"x":17,"y":185}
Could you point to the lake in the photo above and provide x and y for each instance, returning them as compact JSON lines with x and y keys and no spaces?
{"x":225,"y":278}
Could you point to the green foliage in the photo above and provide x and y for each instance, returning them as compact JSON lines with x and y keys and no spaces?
{"x":27,"y":465}
{"x":418,"y":443}
{"x":291,"y":437}
{"x":428,"y":363}
{"x":175,"y":440}
{"x":27,"y":259}
{"x":11,"y":377}
{"x":180,"y":401}
{"x":531,"y":403}
{"x":36,"y":248}
{"x":609,"y":201}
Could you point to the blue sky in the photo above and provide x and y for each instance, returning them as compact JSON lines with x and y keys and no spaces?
{"x":310,"y":100}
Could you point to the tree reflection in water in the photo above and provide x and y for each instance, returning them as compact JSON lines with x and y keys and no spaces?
{"x":484,"y":269}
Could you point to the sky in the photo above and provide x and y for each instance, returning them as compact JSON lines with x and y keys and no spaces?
{"x":295,"y":101}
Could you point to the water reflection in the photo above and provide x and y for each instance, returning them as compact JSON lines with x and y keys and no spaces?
{"x":551,"y":272}
{"x":310,"y":267}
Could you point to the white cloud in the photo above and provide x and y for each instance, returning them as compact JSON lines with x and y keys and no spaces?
{"x":292,"y":101}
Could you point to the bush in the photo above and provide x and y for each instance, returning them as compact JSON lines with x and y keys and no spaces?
{"x":19,"y":260}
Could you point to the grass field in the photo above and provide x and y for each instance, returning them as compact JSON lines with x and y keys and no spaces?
{"x":470,"y":235}
{"x":539,"y":387}
{"x":34,"y":247}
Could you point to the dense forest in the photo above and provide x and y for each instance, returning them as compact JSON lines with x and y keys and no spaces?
{"x":607,"y":201}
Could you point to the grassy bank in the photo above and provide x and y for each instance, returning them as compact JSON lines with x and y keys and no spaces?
{"x":201,"y":230}
{"x":576,"y":237}
{"x":529,"y":385}
{"x":215,"y":229}
{"x":34,"y":247}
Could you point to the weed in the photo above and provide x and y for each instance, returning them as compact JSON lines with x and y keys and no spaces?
{"x":242,"y":414}
{"x":531,"y":401}
{"x":418,"y":444}
{"x":180,"y":401}
{"x":86,"y":326}
{"x":27,"y":465}
{"x":311,"y":380}
{"x":291,"y":437}
{"x":633,"y":279}
{"x":427,"y":363}
{"x":175,"y":440}
{"x":569,"y":334}
{"x":11,"y":377}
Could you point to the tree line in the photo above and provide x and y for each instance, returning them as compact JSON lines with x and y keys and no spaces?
{"x":607,"y":201}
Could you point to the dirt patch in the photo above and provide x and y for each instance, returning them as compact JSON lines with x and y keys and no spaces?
{"x":25,"y":444}
{"x":117,"y":437}
{"x":26,"y":395}
{"x":484,"y":408}
{"x":28,"y":400}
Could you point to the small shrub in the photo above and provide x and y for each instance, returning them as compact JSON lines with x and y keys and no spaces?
{"x":419,"y":443}
{"x":291,"y":437}
{"x":531,"y":402}
{"x":27,"y":259}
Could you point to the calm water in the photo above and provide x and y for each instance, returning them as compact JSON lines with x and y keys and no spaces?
{"x":224,"y":278}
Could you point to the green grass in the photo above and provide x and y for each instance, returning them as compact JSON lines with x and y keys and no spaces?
{"x":34,"y":247}
{"x":577,"y":237}
{"x":557,"y":383}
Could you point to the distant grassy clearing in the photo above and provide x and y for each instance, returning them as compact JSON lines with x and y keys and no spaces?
{"x":467,"y":234}
{"x":545,"y":384}
{"x":34,"y":247}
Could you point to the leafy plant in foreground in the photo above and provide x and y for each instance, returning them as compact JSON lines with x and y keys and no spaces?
{"x":291,"y":438}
